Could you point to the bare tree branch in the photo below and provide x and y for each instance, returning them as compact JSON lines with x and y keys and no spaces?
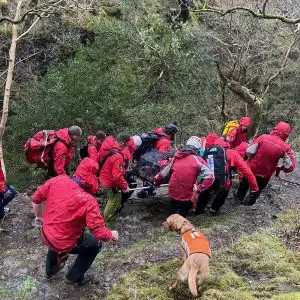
{"x":244,"y":93}
{"x":37,"y":11}
{"x":264,"y":7}
{"x":283,"y":63}
{"x":259,"y":15}
{"x":29,"y":29}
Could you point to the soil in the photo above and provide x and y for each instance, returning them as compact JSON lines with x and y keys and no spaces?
{"x":23,"y":255}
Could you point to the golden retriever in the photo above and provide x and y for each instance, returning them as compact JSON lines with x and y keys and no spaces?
{"x":195,"y":255}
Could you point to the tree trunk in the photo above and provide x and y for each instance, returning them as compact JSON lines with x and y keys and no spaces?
{"x":11,"y":65}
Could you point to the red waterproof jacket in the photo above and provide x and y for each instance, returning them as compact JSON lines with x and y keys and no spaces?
{"x":2,"y":181}
{"x":184,"y":171}
{"x":113,"y":170}
{"x":266,"y":151}
{"x":107,"y":145}
{"x":68,"y":210}
{"x":234,"y":161}
{"x":87,"y":173}
{"x":236,"y":135}
{"x":164,"y":144}
{"x":93,"y":147}
{"x":241,"y":149}
{"x":62,"y":152}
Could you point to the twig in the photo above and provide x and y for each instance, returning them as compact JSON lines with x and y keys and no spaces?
{"x":283,"y":19}
{"x":264,"y":7}
{"x":283,"y":63}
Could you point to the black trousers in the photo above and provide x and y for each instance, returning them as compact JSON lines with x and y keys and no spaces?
{"x":244,"y":187}
{"x":180,"y":207}
{"x":87,"y":249}
{"x":220,"y":195}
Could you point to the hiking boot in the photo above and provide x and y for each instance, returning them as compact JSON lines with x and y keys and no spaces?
{"x":83,"y":281}
{"x":238,"y":199}
{"x":55,"y":270}
{"x":142,"y":194}
{"x":213,"y":212}
{"x":6,"y":212}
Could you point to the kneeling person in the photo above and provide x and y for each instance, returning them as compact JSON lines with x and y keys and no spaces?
{"x":69,"y":209}
{"x":189,"y":174}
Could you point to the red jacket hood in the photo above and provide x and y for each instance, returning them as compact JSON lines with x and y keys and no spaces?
{"x":212,"y":139}
{"x":283,"y":130}
{"x":92,"y":140}
{"x":63,"y":134}
{"x":185,"y":152}
{"x":108,"y":143}
{"x":245,"y":121}
{"x":160,"y":131}
{"x":87,"y":172}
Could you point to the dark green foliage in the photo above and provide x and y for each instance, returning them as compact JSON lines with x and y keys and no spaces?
{"x":138,"y":74}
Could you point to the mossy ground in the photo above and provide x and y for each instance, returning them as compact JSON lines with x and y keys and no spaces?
{"x":255,"y":253}
{"x":256,"y":266}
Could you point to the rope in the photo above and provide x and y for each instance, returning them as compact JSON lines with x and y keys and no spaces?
{"x":288,"y":181}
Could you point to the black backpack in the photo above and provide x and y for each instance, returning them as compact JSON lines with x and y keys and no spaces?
{"x":148,"y":141}
{"x":105,"y":157}
{"x":216,"y":160}
{"x":83,"y":152}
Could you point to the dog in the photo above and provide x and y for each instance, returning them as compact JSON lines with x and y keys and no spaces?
{"x":195,"y":249}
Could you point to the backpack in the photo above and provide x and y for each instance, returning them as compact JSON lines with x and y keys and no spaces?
{"x":217,"y":162}
{"x":148,"y":165}
{"x":229,"y":126}
{"x":83,"y":152}
{"x":37,"y":149}
{"x":105,"y":157}
{"x":148,"y":141}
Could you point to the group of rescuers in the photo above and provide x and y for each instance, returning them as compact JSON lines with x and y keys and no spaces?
{"x":71,"y":206}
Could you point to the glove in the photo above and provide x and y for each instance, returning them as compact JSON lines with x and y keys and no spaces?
{"x":126,"y":191}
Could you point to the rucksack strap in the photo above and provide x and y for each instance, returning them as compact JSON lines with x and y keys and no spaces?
{"x":105,"y":157}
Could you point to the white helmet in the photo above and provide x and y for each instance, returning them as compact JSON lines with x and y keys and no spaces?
{"x":137,"y":141}
{"x":195,"y":142}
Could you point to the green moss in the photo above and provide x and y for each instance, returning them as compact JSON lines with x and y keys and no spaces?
{"x":151,"y":283}
{"x":264,"y":252}
{"x":221,"y":295}
{"x":289,"y":296}
{"x":235,"y":272}
{"x":223,"y":221}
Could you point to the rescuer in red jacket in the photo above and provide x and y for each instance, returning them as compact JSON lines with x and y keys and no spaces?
{"x":94,"y":144}
{"x":69,"y":209}
{"x":188,"y":173}
{"x":239,"y":134}
{"x":266,"y":153}
{"x":233,"y":162}
{"x":7,"y":193}
{"x":62,"y":152}
{"x":167,"y":134}
{"x":112,"y":175}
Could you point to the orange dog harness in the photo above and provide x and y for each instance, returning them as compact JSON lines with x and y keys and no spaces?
{"x":194,"y":241}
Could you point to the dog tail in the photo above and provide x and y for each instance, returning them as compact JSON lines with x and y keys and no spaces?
{"x":192,"y":281}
